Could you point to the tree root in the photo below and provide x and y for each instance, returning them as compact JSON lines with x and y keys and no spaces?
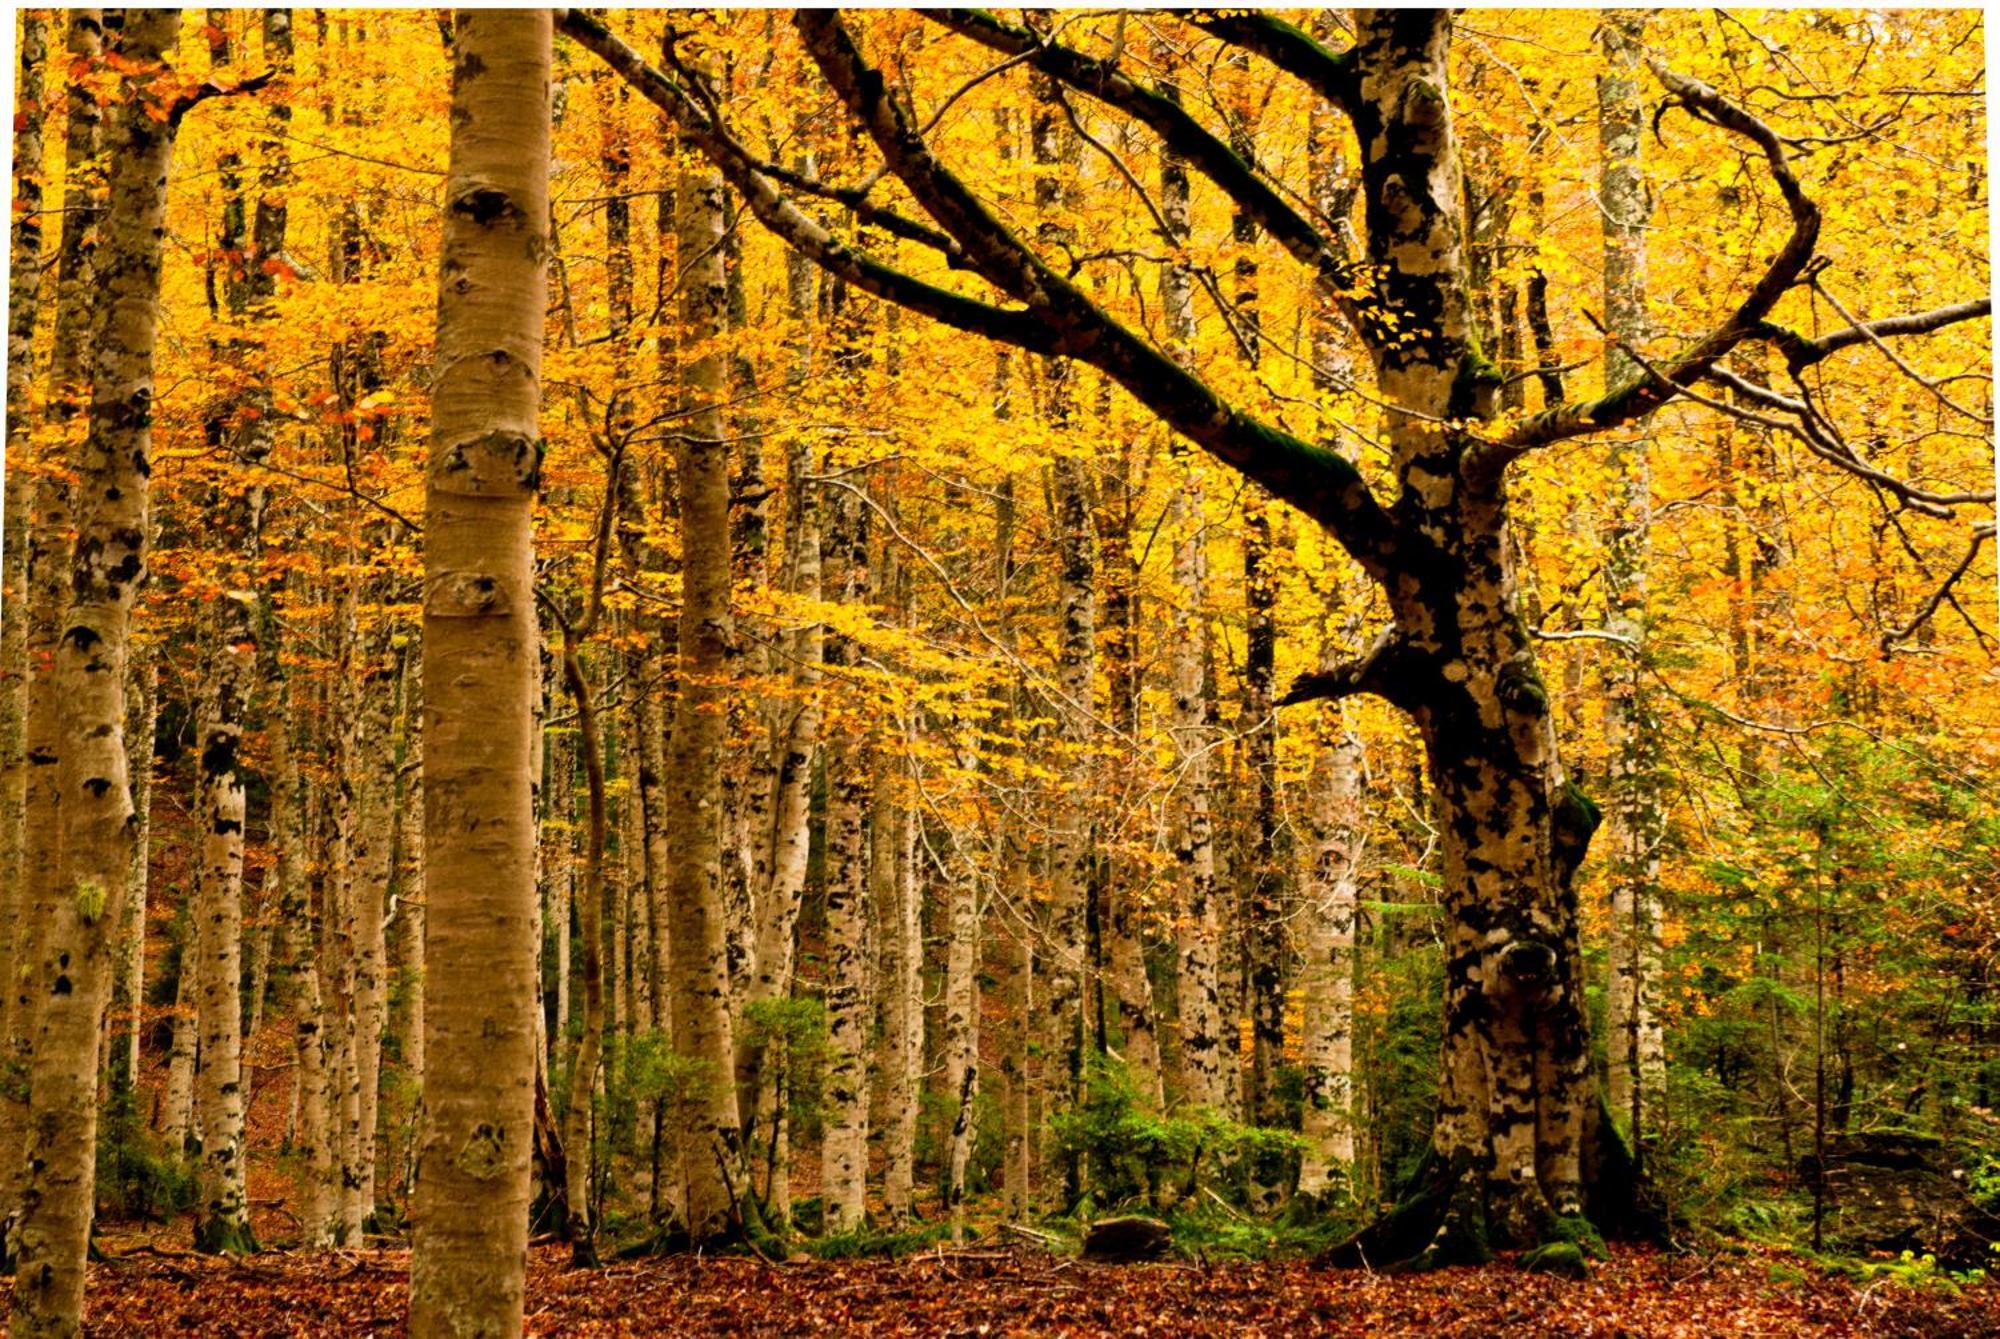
{"x":1448,"y":1216}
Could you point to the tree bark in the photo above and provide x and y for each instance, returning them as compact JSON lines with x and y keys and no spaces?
{"x":703,"y":1027}
{"x":469,"y":1252}
{"x":73,"y":969}
{"x":223,"y":1221}
{"x":1633,"y":810}
{"x":844,"y":1150}
{"x":1198,"y":994}
{"x":23,"y":307}
{"x":46,"y":573}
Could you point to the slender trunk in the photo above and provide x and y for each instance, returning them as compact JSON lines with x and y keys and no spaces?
{"x":703,"y":1027}
{"x":371,"y":858}
{"x":129,"y":966}
{"x":73,"y":970}
{"x":790,"y":837}
{"x":899,"y":975}
{"x":1203,"y":1078}
{"x":1125,"y":947}
{"x":177,"y":1124}
{"x":469,"y":1253}
{"x":1063,"y":1026}
{"x":844,"y":1150}
{"x":23,"y":306}
{"x":577,"y":1126}
{"x":1634,"y":812}
{"x":961,"y":1030}
{"x":1326,"y":946}
{"x":1336,"y":819}
{"x":223,"y":1223}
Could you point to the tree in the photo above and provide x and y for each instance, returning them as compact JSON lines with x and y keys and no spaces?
{"x":1520,"y":1140}
{"x":72,"y":969}
{"x":1638,"y":1062}
{"x":470,"y":1248}
{"x":703,"y":1032}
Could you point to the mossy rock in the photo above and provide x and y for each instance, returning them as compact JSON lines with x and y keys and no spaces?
{"x":1578,"y":1232}
{"x":1563,"y":1258}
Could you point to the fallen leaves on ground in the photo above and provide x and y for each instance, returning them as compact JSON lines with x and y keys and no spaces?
{"x":149,"y":1290}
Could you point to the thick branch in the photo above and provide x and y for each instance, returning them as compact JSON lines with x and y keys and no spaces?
{"x":1291,"y":49}
{"x":1318,"y":482}
{"x":1383,"y":669}
{"x":785,"y":219}
{"x":1645,"y":393}
{"x":1180,"y":132}
{"x":1800,"y":352}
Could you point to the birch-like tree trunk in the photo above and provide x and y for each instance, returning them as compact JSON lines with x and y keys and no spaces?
{"x":113,"y":476}
{"x":1063,"y":1026}
{"x":1203,"y":1077}
{"x":844,"y":1147}
{"x":961,"y":1021}
{"x":23,"y":306}
{"x":1633,"y":810}
{"x":1130,"y":988}
{"x":223,"y":1221}
{"x":1335,"y":812}
{"x":372,"y":856}
{"x":469,"y":1252}
{"x":46,"y":574}
{"x":892,"y":876}
{"x":704,"y":1030}
{"x":177,"y":1122}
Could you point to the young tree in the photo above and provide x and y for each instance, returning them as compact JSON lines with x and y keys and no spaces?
{"x":703,"y":1029}
{"x":471,"y":1211}
{"x":1635,"y":823}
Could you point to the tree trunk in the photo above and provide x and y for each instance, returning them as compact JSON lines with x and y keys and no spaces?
{"x":844,"y":1150}
{"x":46,"y":572}
{"x":1633,"y":810}
{"x":703,"y":1028}
{"x":73,"y":970}
{"x":1063,"y":1026}
{"x":23,"y":306}
{"x":177,"y":1123}
{"x":223,"y":1222}
{"x":790,"y":838}
{"x":900,"y":937}
{"x":961,"y":1027}
{"x":1326,"y":946}
{"x":469,"y":1252}
{"x":1123,"y":932}
{"x":1515,"y":1102}
{"x":1204,"y":1081}
{"x":578,"y":1125}
{"x":129,"y":968}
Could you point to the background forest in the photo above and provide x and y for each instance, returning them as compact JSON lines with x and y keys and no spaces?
{"x":962,"y":688}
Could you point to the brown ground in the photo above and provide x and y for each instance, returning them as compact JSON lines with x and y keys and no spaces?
{"x":155,"y":1290}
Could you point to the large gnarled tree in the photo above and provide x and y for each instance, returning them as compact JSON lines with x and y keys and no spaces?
{"x":1520,"y":1139}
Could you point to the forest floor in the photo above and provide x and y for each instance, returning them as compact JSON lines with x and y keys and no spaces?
{"x":144,"y":1288}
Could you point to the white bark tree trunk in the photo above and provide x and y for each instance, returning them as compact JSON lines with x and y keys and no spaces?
{"x":73,"y":970}
{"x":1635,"y":818}
{"x":469,"y":1254}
